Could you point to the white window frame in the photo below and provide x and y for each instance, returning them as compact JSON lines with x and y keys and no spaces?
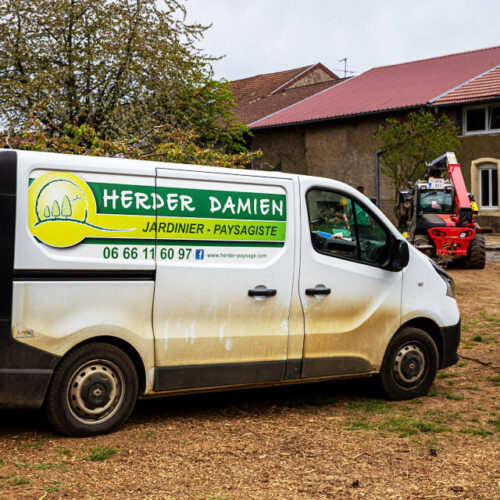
{"x":490,"y":168}
{"x":487,"y":120}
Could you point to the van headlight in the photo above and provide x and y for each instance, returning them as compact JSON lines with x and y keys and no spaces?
{"x":450,"y":284}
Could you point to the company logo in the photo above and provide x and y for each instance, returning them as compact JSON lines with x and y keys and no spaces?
{"x":200,"y":254}
{"x":62,"y":210}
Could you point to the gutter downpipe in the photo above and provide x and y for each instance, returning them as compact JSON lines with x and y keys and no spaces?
{"x":378,"y":154}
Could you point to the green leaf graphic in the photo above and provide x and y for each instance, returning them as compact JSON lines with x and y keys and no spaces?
{"x":56,"y":211}
{"x":66,"y":210}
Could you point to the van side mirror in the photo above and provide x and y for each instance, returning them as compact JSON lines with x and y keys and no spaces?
{"x":400,"y":255}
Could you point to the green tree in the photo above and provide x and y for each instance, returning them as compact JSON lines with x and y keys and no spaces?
{"x":408,"y":144}
{"x":66,"y":210}
{"x":124,"y":68}
{"x":56,"y":211}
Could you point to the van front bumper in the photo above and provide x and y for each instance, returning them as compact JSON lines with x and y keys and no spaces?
{"x":451,"y":340}
{"x":25,"y":372}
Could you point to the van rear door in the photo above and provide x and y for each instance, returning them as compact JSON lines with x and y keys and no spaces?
{"x":224,"y":276}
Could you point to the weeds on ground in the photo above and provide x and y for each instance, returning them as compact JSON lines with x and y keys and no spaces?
{"x":374,"y":406}
{"x":101,"y":453}
{"x":455,"y":397}
{"x":18,"y":481}
{"x":476,"y":432}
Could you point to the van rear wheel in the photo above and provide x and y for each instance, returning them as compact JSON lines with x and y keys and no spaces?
{"x":410,"y":364}
{"x":93,"y":391}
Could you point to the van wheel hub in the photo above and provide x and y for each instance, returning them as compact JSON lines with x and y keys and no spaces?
{"x":409,"y":364}
{"x":95,"y":391}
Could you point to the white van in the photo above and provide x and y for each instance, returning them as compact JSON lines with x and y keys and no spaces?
{"x":123,"y":279}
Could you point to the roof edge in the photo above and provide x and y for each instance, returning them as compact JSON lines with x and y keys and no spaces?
{"x":333,"y":118}
{"x":463,"y":84}
{"x":435,"y":58}
{"x":302,"y":100}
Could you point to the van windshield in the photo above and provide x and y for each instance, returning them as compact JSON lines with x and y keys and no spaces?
{"x":436,"y":201}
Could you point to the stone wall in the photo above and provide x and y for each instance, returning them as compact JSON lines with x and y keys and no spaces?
{"x":316,"y":76}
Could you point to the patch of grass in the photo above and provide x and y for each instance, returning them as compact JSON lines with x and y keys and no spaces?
{"x":494,"y":379}
{"x":354,"y":425}
{"x":59,"y":465}
{"x":101,"y":453}
{"x":1,"y":462}
{"x":472,"y":388}
{"x":449,"y":382}
{"x":54,"y":486}
{"x":446,"y":375}
{"x":407,"y":426}
{"x":434,"y":412}
{"x":373,"y":406}
{"x":65,"y":451}
{"x":495,"y":422}
{"x":35,"y":445}
{"x":462,"y":364}
{"x":477,"y":338}
{"x":476,"y":432}
{"x":467,"y":346}
{"x":432,"y":393}
{"x":455,"y":397}
{"x":480,"y":408}
{"x":18,"y":481}
{"x":416,"y":401}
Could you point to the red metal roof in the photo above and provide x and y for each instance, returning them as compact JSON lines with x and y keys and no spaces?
{"x":485,"y":86}
{"x":389,"y":87}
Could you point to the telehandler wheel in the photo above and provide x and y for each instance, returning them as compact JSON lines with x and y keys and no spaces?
{"x":476,"y":254}
{"x":424,"y":244}
{"x":94,"y":390}
{"x":410,"y":364}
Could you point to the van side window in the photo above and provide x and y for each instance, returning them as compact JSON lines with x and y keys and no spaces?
{"x":342,"y":227}
{"x":332,"y":231}
{"x":373,"y":239}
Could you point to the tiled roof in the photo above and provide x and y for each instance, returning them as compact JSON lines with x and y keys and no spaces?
{"x":485,"y":86}
{"x":250,"y":112}
{"x":257,"y":87}
{"x":390,"y":87}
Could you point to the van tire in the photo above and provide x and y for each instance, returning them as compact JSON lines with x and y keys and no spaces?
{"x":476,"y":255}
{"x":410,"y":364}
{"x":93,"y":391}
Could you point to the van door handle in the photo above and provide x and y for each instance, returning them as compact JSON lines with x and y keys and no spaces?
{"x":262,"y":292}
{"x":318,"y":291}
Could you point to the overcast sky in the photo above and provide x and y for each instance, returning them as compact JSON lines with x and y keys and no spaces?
{"x":263,"y":36}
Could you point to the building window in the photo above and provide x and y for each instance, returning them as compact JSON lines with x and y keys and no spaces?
{"x":488,"y":187}
{"x":481,"y":119}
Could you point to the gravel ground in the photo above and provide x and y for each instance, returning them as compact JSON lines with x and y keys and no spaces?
{"x":322,"y":441}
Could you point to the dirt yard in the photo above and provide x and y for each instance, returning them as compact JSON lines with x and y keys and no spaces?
{"x":322,"y":441}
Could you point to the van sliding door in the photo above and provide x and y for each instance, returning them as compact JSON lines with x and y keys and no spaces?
{"x":224,"y":261}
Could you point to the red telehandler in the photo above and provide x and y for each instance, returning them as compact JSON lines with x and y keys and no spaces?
{"x":441,"y":220}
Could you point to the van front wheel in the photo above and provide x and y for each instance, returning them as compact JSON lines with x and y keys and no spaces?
{"x":410,"y":364}
{"x":94,"y":390}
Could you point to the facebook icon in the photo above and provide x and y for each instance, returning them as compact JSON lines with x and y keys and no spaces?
{"x":200,"y":254}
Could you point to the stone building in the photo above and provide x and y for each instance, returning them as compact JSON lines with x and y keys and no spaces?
{"x":330,"y":132}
